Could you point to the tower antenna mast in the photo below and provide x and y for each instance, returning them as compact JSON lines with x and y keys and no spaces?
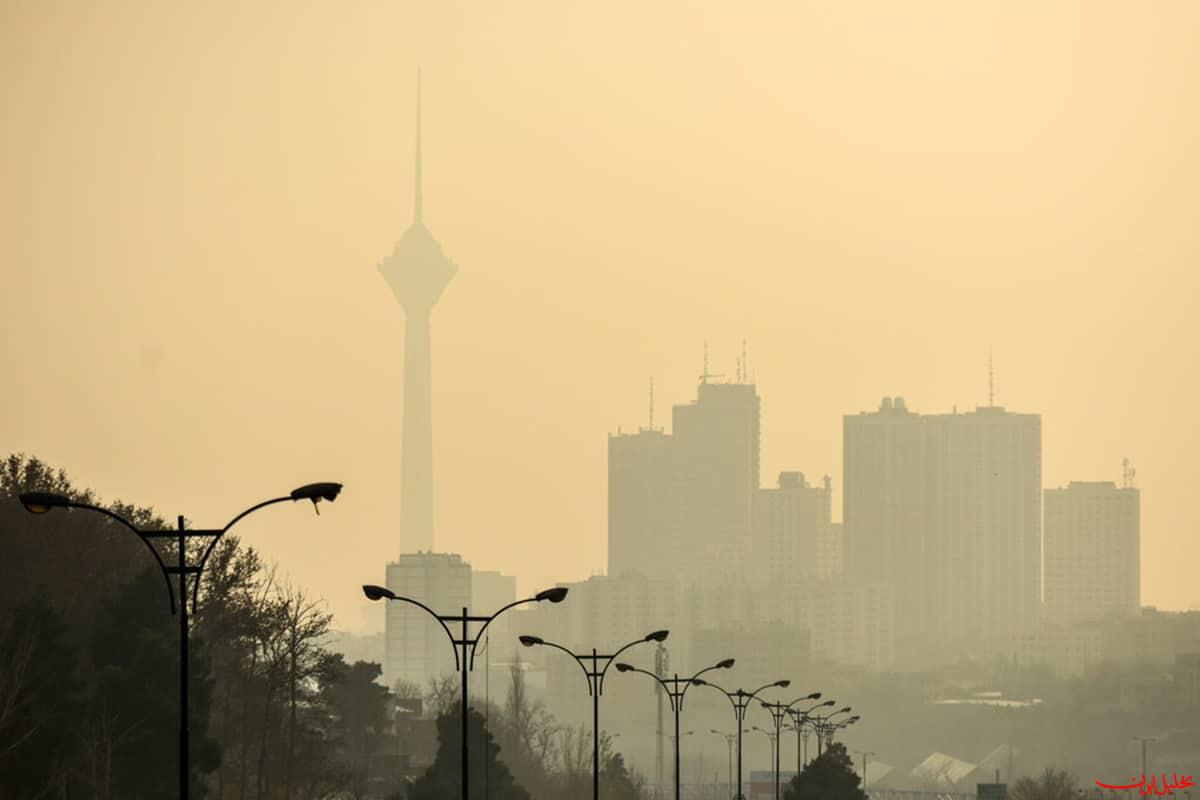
{"x":651,"y":402}
{"x":991,"y":382}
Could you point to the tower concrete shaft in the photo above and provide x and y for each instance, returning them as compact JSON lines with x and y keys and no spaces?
{"x":418,"y":272}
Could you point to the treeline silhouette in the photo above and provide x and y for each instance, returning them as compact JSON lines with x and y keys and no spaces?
{"x":89,"y":665}
{"x":89,"y":681}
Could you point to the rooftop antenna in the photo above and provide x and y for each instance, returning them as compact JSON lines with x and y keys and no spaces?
{"x":991,"y":382}
{"x":651,"y":402}
{"x":418,"y":200}
{"x":704,"y":377}
{"x":745,"y":365}
{"x":1127,"y":474}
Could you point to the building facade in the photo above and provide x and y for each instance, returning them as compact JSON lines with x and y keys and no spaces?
{"x":947,"y":509}
{"x":1092,"y":548}
{"x":416,"y":648}
{"x":681,"y":504}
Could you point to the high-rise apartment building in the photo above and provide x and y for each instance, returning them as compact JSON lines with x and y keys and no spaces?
{"x":793,"y":536}
{"x":415,"y":646}
{"x":681,"y":504}
{"x":1092,"y":550}
{"x":643,"y":505}
{"x":947,"y":509}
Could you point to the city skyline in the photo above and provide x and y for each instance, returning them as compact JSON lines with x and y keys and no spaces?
{"x":265,"y":208}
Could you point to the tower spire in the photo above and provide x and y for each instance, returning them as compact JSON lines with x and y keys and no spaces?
{"x":991,"y":382}
{"x":651,"y":402}
{"x":418,"y":199}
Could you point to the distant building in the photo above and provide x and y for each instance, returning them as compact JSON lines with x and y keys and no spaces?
{"x":770,"y":650}
{"x":416,"y":647}
{"x":491,"y":591}
{"x":947,"y":509}
{"x":604,"y":612}
{"x":717,"y":462}
{"x":792,"y":536}
{"x":1092,"y":533}
{"x":680,"y":504}
{"x":643,"y":506}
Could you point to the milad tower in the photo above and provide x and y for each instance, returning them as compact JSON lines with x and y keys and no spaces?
{"x":418,"y":272}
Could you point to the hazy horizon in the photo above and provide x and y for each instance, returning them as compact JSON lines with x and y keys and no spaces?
{"x":196,"y":201}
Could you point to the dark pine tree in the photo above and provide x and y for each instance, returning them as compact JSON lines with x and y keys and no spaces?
{"x":444,"y":778}
{"x":40,"y":702}
{"x":830,"y":776}
{"x":135,"y":654}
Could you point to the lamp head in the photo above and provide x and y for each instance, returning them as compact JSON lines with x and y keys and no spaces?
{"x":814,"y":696}
{"x":726,"y":664}
{"x":782,"y":684}
{"x":699,"y":682}
{"x":844,"y":710}
{"x":530,"y":641}
{"x":378,"y":592}
{"x":827,"y":703}
{"x":317,"y":492}
{"x":623,"y":667}
{"x":658,"y":636}
{"x":554,"y":595}
{"x":42,"y":502}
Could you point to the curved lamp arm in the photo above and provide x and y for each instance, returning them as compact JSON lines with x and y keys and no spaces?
{"x":813,"y":696}
{"x":657,"y":636}
{"x":380,"y":593}
{"x":660,"y":681}
{"x":724,"y":664}
{"x":728,"y":694}
{"x":554,"y":595}
{"x":40,"y":502}
{"x":533,"y":641}
{"x":313,"y":491}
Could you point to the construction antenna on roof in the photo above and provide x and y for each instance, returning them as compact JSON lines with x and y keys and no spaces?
{"x":706,"y":374}
{"x":651,"y":402}
{"x":991,"y":381}
{"x":1128,"y":473}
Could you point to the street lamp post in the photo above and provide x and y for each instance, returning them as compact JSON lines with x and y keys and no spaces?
{"x":821,"y":726}
{"x":833,"y":728}
{"x":729,"y":739}
{"x":779,"y":712}
{"x":865,"y":754}
{"x":801,"y":720}
{"x":466,"y":662}
{"x":43,"y":502}
{"x":1144,"y":740}
{"x":675,"y":693}
{"x":773,"y":744}
{"x":740,"y":700}
{"x":595,"y":678}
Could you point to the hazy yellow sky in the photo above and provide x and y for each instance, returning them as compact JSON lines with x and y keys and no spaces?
{"x":194,"y":199}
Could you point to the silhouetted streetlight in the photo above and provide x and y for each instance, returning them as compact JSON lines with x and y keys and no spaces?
{"x":772,"y":746}
{"x":823,"y":727}
{"x":779,"y":711}
{"x":801,"y":721}
{"x":675,"y":693}
{"x":595,"y":679}
{"x":729,"y":740}
{"x":44,"y":502}
{"x":467,"y":662}
{"x":740,"y":699}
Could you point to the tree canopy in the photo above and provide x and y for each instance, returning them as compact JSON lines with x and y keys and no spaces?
{"x":830,"y":776}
